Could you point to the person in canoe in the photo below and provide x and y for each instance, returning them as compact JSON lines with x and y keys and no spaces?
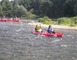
{"x":50,"y":30}
{"x":38,"y":28}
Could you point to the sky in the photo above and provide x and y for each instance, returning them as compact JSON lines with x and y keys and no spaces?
{"x":9,"y":0}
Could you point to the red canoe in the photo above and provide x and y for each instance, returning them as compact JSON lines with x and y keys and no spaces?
{"x":57,"y":34}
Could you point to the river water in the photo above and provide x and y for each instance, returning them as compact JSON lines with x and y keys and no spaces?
{"x":18,"y":43}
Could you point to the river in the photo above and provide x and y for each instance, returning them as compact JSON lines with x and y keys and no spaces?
{"x":18,"y":43}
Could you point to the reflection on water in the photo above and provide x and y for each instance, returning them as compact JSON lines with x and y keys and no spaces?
{"x":18,"y":43}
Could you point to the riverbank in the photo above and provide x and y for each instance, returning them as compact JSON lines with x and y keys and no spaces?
{"x":53,"y":26}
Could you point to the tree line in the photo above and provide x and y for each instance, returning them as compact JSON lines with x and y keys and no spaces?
{"x":40,"y":8}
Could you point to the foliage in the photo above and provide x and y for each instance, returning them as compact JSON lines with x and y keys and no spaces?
{"x":50,"y":8}
{"x":20,"y":10}
{"x":30,"y":15}
{"x":1,"y":12}
{"x":65,"y":21}
{"x":74,"y":19}
{"x":45,"y":20}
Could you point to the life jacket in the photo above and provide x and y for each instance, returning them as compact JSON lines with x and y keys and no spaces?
{"x":37,"y":28}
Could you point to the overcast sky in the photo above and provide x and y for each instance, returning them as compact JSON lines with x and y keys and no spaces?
{"x":9,"y":0}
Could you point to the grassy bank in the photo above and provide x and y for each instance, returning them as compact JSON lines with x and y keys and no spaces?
{"x":66,"y":21}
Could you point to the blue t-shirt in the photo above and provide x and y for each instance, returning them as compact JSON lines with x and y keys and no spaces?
{"x":49,"y":30}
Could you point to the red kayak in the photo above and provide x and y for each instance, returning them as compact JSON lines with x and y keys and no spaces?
{"x":9,"y":20}
{"x":5,"y":19}
{"x":57,"y":34}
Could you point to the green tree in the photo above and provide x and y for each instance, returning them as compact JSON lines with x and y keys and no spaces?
{"x":75,"y":7}
{"x":19,"y":10}
{"x":69,"y":8}
{"x":1,"y":11}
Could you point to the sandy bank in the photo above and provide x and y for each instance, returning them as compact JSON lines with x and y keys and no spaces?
{"x":53,"y":26}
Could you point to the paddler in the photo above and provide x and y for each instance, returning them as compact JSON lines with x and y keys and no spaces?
{"x":38,"y":28}
{"x":50,"y":30}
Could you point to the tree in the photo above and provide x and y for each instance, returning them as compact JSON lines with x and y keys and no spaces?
{"x":69,"y":8}
{"x":1,"y":12}
{"x":75,"y":7}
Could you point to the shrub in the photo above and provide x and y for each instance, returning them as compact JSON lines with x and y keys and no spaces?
{"x":45,"y":20}
{"x":65,"y":21}
{"x":30,"y":15}
{"x":72,"y":25}
{"x":74,"y":19}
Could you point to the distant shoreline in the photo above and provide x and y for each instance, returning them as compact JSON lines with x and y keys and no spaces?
{"x":54,"y":26}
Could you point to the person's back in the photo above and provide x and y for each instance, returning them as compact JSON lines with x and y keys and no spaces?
{"x":50,"y":30}
{"x":38,"y":28}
